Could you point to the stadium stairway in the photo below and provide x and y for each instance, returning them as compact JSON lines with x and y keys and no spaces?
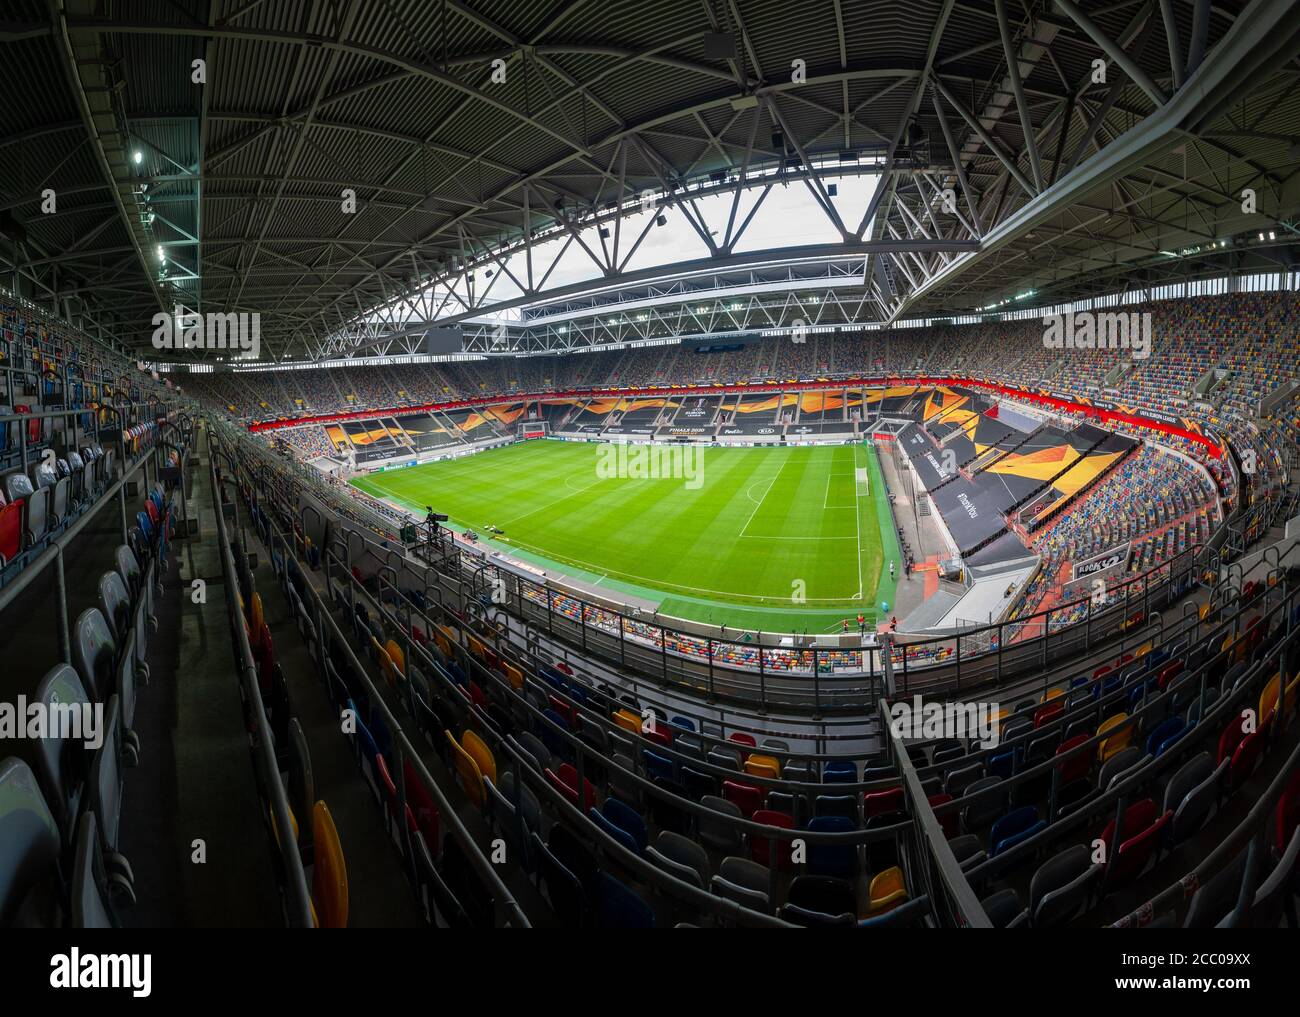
{"x":378,"y":893}
{"x":194,"y":780}
{"x":384,"y":886}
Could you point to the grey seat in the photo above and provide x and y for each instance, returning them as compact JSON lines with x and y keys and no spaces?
{"x":512,"y":823}
{"x":18,"y":487}
{"x":960,"y":780}
{"x":1191,"y":794}
{"x":981,"y":813}
{"x":29,"y":852}
{"x":752,"y":899}
{"x":1061,"y":886}
{"x":681,"y":856}
{"x":719,"y":832}
{"x":93,"y":653}
{"x":115,"y":603}
{"x":302,"y":786}
{"x":1117,"y":765}
{"x":77,"y":475}
{"x":1271,"y":897}
{"x":531,"y":744}
{"x":968,"y":851}
{"x":90,"y":891}
{"x":45,"y":477}
{"x":1004,"y":910}
{"x":128,"y":568}
{"x":726,"y":759}
{"x":620,"y":783}
{"x":1216,"y":897}
{"x":62,"y":763}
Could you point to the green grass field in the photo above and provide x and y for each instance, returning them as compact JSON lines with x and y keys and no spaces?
{"x":737,"y":546}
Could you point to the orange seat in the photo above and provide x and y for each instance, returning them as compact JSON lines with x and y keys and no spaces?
{"x":329,"y":883}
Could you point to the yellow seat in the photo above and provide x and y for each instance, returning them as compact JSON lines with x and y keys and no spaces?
{"x":475,"y":647}
{"x":763,"y":766}
{"x":1289,"y":697}
{"x":1142,"y":651}
{"x":471,"y":777}
{"x":628,"y":721}
{"x":481,"y":754}
{"x":1051,"y":694}
{"x":396,"y":655}
{"x":1204,"y":612}
{"x":440,"y":641}
{"x":1268,"y":698}
{"x":1117,"y":742}
{"x":293,"y":821}
{"x":256,"y":615}
{"x":329,"y":882}
{"x":381,"y":655}
{"x":514,"y":676}
{"x":887,"y":891}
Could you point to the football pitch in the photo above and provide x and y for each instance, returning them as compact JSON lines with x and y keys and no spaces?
{"x":783,"y":539}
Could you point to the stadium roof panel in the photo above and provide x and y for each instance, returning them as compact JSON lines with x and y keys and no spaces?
{"x":337,"y":157}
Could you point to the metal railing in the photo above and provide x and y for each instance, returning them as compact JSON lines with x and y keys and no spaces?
{"x":298,"y":906}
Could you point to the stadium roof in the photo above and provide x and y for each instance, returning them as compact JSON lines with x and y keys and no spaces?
{"x":1064,"y":147}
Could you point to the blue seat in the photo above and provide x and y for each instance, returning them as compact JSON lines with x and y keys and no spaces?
{"x":1014,"y":828}
{"x":840,"y":860}
{"x":1003,"y":764}
{"x":619,"y":907}
{"x":657,"y":767}
{"x":1166,"y":733}
{"x":617,"y":832}
{"x":840,"y":771}
{"x":683,"y":723}
{"x":628,"y":820}
{"x":553,"y":741}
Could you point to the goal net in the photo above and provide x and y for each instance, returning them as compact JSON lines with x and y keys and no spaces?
{"x":532,"y":428}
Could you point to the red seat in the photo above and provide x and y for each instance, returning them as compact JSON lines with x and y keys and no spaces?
{"x":1246,"y":757}
{"x":566,"y":782}
{"x":151,"y":510}
{"x":745,"y":797}
{"x":660,"y":735}
{"x":880,"y":802}
{"x":949,"y":819}
{"x":1076,"y":766}
{"x":740,"y":738}
{"x":1102,"y":671}
{"x":1047,"y":714}
{"x":1135,"y":852}
{"x":1169,"y":672}
{"x":1232,"y":736}
{"x":11,"y":531}
{"x":1137,"y":816}
{"x":566,"y":710}
{"x":425,"y":812}
{"x":264,"y":651}
{"x":760,"y":846}
{"x":476,"y":695}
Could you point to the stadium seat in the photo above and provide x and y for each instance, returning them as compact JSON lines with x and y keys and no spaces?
{"x":329,"y":888}
{"x":30,"y":845}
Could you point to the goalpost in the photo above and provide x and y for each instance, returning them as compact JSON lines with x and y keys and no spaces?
{"x":532,"y":429}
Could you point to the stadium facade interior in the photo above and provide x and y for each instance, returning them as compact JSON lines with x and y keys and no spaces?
{"x":508,"y":464}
